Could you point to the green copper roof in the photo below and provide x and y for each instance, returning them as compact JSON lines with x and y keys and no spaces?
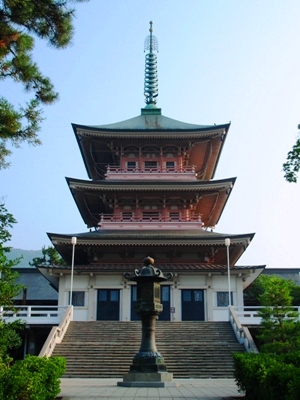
{"x":151,"y":122}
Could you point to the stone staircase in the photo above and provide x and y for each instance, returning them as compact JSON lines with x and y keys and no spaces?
{"x":105,"y":349}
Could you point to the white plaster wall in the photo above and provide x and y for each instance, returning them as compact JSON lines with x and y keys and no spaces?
{"x":220,"y":284}
{"x":126,"y":303}
{"x":109,"y":281}
{"x":191,"y":281}
{"x":175,"y":300}
{"x":80,"y":314}
{"x":211,"y":284}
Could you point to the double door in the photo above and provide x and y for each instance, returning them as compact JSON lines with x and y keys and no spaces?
{"x":108,"y":305}
{"x":192,"y":305}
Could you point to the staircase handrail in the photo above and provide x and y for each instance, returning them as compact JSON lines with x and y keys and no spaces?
{"x":57,"y":333}
{"x":242,"y":332}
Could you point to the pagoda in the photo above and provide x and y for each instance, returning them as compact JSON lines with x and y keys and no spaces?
{"x":151,"y":193}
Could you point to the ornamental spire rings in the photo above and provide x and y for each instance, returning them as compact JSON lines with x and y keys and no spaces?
{"x":151,"y":78}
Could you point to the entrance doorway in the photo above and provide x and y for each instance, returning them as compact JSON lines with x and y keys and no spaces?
{"x":108,"y":305}
{"x":192,"y":303}
{"x":165,"y":300}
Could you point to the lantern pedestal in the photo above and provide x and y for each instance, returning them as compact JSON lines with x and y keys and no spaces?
{"x":148,"y":368}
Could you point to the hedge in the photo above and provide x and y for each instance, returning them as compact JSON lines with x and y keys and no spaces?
{"x":34,"y":378}
{"x":267,"y":376}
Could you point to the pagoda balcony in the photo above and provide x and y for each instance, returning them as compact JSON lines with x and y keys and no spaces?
{"x":162,"y":173}
{"x":109,"y":221}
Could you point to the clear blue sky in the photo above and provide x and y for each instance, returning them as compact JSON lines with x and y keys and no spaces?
{"x":218,"y":61}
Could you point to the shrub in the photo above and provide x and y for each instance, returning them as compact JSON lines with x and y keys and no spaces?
{"x":294,"y":387}
{"x":250,"y":372}
{"x":32,"y":379}
{"x":267,"y":376}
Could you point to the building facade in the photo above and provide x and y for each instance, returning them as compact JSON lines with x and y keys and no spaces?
{"x":151,"y":192}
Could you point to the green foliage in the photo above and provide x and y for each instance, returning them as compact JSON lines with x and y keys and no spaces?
{"x":6,"y":221}
{"x":10,"y":339}
{"x":276,"y":292}
{"x":292,"y":165}
{"x":280,"y":326}
{"x":275,"y":372}
{"x":8,"y":287}
{"x":295,"y":293}
{"x":255,"y":291}
{"x":50,"y":257}
{"x":257,"y":288}
{"x":50,"y":20}
{"x":266,"y":377}
{"x":32,"y":379}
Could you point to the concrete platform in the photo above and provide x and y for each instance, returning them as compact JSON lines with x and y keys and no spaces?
{"x":187,"y":389}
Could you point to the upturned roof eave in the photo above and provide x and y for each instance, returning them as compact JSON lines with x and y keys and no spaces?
{"x":150,"y":185}
{"x":127,"y":130}
{"x":169,"y":267}
{"x":79,"y":187}
{"x":194,"y":132}
{"x":220,"y":152}
{"x":131,"y":237}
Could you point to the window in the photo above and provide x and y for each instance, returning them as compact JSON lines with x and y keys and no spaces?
{"x":134,"y":293}
{"x":108,"y":295}
{"x":222,"y":299}
{"x":165,"y":293}
{"x":187,"y":295}
{"x":131,"y":164}
{"x":114,"y":295}
{"x":170,"y":164}
{"x":198,"y":295}
{"x":77,"y":299}
{"x":150,"y":164}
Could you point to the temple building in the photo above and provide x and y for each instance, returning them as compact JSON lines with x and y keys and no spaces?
{"x":150,"y":192}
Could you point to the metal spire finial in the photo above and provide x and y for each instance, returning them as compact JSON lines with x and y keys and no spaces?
{"x":151,"y":80}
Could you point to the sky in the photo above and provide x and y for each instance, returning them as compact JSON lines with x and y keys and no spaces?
{"x":218,"y":61}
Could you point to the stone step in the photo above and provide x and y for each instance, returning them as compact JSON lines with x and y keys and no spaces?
{"x":190,"y":349}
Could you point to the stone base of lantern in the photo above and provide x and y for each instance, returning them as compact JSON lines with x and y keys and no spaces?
{"x":147,"y":379}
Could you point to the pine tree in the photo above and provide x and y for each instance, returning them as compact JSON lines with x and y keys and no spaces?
{"x":20,"y":20}
{"x":292,"y":165}
{"x":8,"y":288}
{"x":280,"y":326}
{"x":50,"y":257}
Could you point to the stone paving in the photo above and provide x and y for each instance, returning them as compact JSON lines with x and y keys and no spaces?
{"x":187,"y":389}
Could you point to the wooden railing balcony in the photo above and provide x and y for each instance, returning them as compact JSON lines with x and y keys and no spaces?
{"x":110,"y":221}
{"x":51,"y":315}
{"x":243,"y":317}
{"x":248,"y":315}
{"x":182,"y":173}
